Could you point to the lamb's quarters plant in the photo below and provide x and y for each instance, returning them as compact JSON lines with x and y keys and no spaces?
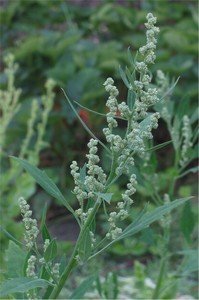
{"x":40,"y":274}
{"x":13,"y":181}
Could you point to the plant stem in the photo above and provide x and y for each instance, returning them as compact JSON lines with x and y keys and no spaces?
{"x":73,"y":261}
{"x":160,"y":277}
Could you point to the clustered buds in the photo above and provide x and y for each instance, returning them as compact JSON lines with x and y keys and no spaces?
{"x":122,"y":208}
{"x":113,"y":107}
{"x":123,"y":149}
{"x":152,"y":31}
{"x":30,"y":224}
{"x":55,"y":270}
{"x":30,"y":270}
{"x":96,"y":178}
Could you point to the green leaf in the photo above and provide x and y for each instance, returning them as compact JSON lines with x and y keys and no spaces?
{"x":130,"y":56}
{"x":44,"y":230}
{"x":45,"y":182}
{"x":170,"y":90}
{"x":83,"y":288}
{"x":88,"y":109}
{"x":15,"y":258}
{"x":111,"y":286}
{"x":85,"y":247}
{"x":10,"y":236}
{"x":83,"y":173}
{"x":131,"y":99}
{"x":144,"y":220}
{"x":130,"y":76}
{"x":124,"y":78}
{"x":106,"y":196}
{"x":157,"y":147}
{"x":22,"y":284}
{"x":151,"y":217}
{"x":187,"y":222}
{"x":190,"y":262}
{"x":51,"y":251}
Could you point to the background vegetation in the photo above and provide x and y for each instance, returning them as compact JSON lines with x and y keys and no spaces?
{"x":79,"y":44}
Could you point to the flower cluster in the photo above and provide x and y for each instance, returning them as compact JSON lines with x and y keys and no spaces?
{"x":30,"y":270}
{"x":187,"y":136}
{"x":94,"y":180}
{"x":152,"y":31}
{"x":146,"y":96}
{"x":113,"y":107}
{"x":46,"y":244}
{"x":122,"y":208}
{"x":55,"y":270}
{"x":30,"y":224}
{"x":123,"y":148}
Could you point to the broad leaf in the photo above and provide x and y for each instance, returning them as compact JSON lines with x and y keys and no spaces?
{"x":23,"y":284}
{"x":15,"y":258}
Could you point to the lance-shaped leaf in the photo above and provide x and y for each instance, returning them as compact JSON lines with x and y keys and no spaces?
{"x":23,"y":284}
{"x":45,"y":182}
{"x":144,"y":220}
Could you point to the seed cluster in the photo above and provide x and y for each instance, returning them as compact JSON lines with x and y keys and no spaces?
{"x":30,"y":224}
{"x":30,"y":270}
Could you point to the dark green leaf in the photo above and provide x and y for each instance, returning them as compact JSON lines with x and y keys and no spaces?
{"x":44,"y":230}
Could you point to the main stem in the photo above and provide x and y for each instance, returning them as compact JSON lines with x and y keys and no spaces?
{"x":73,"y":261}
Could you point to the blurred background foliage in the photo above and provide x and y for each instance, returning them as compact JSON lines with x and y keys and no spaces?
{"x":79,"y":44}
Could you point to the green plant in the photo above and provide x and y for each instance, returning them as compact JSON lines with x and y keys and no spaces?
{"x":14,"y":182}
{"x":39,"y":274}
